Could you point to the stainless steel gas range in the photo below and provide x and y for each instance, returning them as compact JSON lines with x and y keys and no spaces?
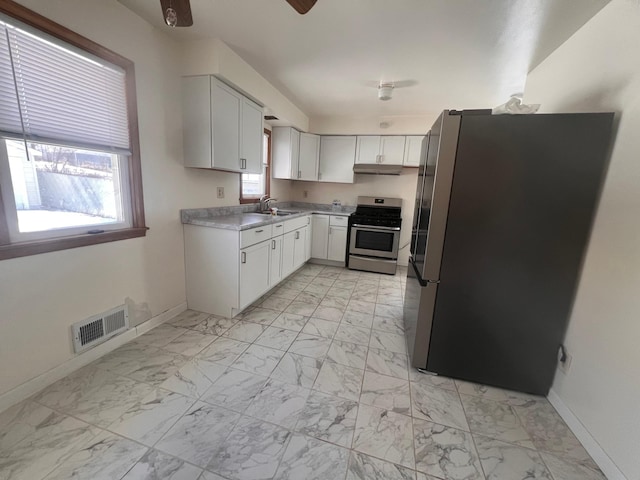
{"x":374,"y":235}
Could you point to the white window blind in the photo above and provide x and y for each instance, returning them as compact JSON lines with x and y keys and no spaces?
{"x":53,"y":94}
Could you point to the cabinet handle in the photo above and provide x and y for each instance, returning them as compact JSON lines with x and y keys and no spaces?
{"x":273,"y":244}
{"x":278,"y":226}
{"x":243,"y":257}
{"x":243,"y":163}
{"x":308,"y":220}
{"x":330,"y":230}
{"x":297,"y":235}
{"x":319,"y":175}
{"x":259,"y":231}
{"x":299,"y":173}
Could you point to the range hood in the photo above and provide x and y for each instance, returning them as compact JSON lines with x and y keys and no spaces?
{"x":377,"y":169}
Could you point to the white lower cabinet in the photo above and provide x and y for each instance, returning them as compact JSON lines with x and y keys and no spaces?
{"x":288,"y":246}
{"x":308,"y":235}
{"x":320,"y":243}
{"x":337,"y":247}
{"x":254,"y":272}
{"x":275,"y":261}
{"x":228,"y":270}
{"x":293,"y":250}
{"x":329,"y":237}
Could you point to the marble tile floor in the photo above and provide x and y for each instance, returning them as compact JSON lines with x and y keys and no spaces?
{"x":311,"y":382}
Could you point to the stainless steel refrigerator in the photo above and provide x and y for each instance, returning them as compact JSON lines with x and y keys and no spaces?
{"x":504,"y":207}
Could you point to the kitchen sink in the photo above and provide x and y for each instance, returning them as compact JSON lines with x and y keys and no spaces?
{"x":279,"y":214}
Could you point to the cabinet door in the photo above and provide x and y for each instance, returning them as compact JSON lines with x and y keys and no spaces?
{"x":299,"y":249}
{"x":196,"y":121}
{"x":337,"y":154}
{"x":337,"y":244}
{"x":320,"y":236}
{"x":251,"y":137}
{"x":392,"y":150}
{"x":309,"y":156}
{"x":368,"y":149}
{"x":254,"y":272}
{"x":288,"y":247}
{"x":307,"y":240}
{"x":226,"y":106}
{"x":412,"y":149}
{"x":275,"y":261}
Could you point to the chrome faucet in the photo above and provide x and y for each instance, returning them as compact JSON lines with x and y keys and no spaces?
{"x":265,"y":201}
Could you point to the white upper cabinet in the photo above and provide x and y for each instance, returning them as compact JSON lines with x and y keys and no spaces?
{"x":337,"y":155}
{"x":285,"y":144}
{"x":222,"y":129}
{"x":295,"y":155}
{"x":309,"y":157}
{"x":251,"y":138}
{"x":368,"y":149}
{"x":392,"y":150}
{"x":412,"y":149}
{"x":388,"y":149}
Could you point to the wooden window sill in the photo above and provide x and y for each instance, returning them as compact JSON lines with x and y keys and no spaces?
{"x":24,"y":249}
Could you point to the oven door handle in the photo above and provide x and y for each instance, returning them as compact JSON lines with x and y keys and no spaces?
{"x":374,"y":227}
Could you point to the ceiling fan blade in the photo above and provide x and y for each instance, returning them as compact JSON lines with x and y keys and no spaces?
{"x":302,"y":6}
{"x":183,"y":10}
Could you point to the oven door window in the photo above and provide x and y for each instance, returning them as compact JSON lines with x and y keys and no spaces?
{"x":379,"y":241}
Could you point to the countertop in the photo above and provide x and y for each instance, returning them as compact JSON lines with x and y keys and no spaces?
{"x":234,"y":218}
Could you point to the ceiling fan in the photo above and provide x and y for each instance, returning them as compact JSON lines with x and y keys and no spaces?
{"x":177,"y":13}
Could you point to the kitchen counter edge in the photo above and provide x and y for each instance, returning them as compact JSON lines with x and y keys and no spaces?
{"x":246,"y":221}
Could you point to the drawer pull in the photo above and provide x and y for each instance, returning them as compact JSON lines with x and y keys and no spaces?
{"x":278,"y":226}
{"x":259,"y":231}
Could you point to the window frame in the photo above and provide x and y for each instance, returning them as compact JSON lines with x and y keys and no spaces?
{"x":138,"y":226}
{"x":267,"y":174}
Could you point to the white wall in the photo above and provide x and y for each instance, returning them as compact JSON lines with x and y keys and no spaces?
{"x":214,"y":57}
{"x":598,"y":69}
{"x":42,"y":295}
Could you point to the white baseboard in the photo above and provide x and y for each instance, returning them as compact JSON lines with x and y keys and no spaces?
{"x":36,"y":384}
{"x":608,"y":467}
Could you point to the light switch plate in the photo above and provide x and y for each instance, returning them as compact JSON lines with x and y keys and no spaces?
{"x":220,"y":192}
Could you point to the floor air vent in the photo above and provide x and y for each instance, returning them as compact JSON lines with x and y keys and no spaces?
{"x":99,"y":328}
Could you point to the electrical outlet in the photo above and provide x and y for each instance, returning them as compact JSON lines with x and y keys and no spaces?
{"x":220,"y":192}
{"x":305,"y":194}
{"x":564,"y":364}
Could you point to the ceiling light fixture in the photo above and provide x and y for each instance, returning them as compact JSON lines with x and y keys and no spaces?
{"x":385,"y":90}
{"x":170,"y":16}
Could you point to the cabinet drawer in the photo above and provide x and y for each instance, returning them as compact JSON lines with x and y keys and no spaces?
{"x":254,"y":235}
{"x":296,"y":223}
{"x":278,"y":229}
{"x":338,"y":221}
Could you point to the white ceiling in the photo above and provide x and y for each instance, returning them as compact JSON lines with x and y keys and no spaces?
{"x":457,"y":53}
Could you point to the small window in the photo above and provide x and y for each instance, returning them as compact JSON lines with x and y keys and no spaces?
{"x":69,"y":151}
{"x":253,"y":186}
